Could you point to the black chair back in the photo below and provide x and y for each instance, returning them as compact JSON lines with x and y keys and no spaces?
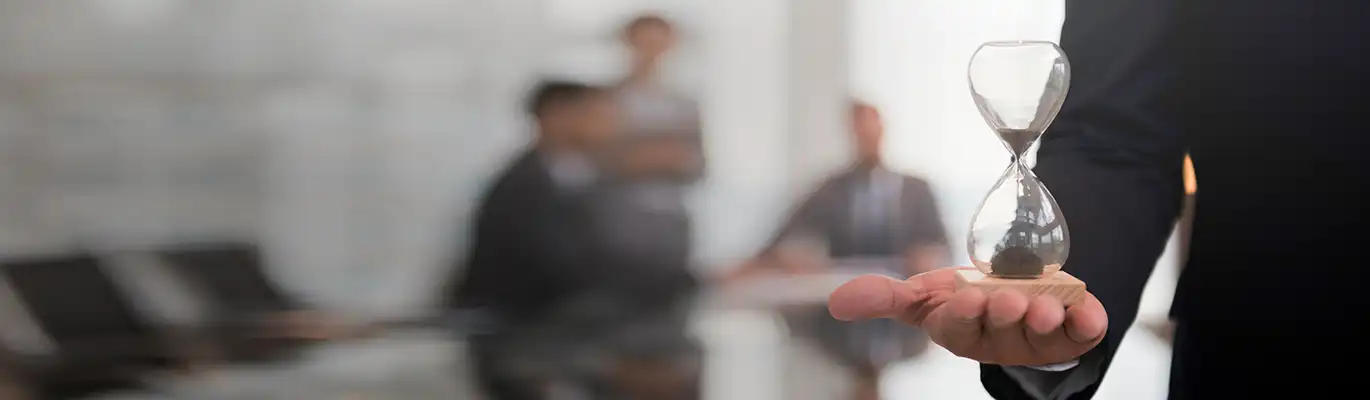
{"x":232,"y":274}
{"x":72,"y":298}
{"x":102,"y":342}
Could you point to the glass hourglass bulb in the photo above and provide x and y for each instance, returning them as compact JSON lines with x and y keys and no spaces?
{"x":1018,"y":87}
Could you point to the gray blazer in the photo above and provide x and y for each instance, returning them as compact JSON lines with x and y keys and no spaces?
{"x":867,"y":212}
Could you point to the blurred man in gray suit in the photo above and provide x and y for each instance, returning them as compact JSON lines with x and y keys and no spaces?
{"x":865,"y":218}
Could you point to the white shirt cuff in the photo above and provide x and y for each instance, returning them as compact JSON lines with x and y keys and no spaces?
{"x":1056,"y":367}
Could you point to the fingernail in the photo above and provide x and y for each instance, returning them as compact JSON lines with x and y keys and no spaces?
{"x":1083,"y":337}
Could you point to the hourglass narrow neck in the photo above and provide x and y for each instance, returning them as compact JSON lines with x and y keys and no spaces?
{"x":1019,"y":164}
{"x":1017,"y":141}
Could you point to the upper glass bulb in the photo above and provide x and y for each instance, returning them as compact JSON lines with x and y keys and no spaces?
{"x":1018,"y":87}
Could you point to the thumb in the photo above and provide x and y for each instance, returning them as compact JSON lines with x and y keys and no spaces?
{"x":874,"y":296}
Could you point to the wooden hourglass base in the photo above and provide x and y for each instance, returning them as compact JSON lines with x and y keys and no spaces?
{"x":1060,"y":285}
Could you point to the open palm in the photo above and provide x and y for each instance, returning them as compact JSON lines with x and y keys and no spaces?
{"x":1006,"y":327}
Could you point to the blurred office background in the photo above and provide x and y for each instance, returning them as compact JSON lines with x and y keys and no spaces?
{"x":349,"y":138}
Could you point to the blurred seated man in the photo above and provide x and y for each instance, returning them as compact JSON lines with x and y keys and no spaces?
{"x":576,"y":313}
{"x":870,"y":219}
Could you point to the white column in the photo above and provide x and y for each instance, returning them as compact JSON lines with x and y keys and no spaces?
{"x":745,"y":58}
{"x":446,"y":82}
{"x":743,"y":100}
{"x":819,"y":91}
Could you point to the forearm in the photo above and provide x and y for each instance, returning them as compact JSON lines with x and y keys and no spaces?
{"x":749,"y":269}
{"x":678,"y":158}
{"x":695,"y":162}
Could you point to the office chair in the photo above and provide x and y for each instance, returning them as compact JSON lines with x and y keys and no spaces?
{"x":253,"y":319}
{"x":101,"y":341}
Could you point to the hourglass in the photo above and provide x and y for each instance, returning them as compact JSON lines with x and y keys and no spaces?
{"x":1018,"y":238}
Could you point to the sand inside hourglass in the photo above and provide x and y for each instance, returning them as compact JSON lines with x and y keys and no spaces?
{"x":1018,"y":263}
{"x":1017,"y":140}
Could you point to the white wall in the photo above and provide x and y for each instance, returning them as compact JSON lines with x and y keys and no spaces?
{"x":819,"y":96}
{"x":745,"y":104}
{"x":351,"y":136}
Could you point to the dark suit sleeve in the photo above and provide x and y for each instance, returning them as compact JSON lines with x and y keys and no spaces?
{"x":1112,"y":160}
{"x":476,"y":284}
{"x":529,"y":246}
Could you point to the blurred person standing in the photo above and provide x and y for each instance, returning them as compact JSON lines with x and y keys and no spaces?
{"x":646,"y":221}
{"x":865,"y":218}
{"x":659,"y":154}
{"x":657,"y":118}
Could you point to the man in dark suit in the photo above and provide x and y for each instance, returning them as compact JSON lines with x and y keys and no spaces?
{"x":576,"y":306}
{"x":1268,"y":97}
{"x":533,"y":242}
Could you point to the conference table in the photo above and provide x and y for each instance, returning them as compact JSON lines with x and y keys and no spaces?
{"x":745,"y":344}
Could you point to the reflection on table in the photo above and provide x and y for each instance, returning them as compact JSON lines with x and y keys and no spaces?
{"x":774,"y":290}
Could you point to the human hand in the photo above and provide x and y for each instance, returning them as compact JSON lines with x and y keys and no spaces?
{"x":1005,"y":327}
{"x":305,"y":325}
{"x":669,"y":155}
{"x":802,"y":259}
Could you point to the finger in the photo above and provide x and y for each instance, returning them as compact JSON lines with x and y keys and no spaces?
{"x":1003,"y":339}
{"x":1006,"y":309}
{"x":873,"y":296}
{"x":1045,"y":315}
{"x":935,"y":288}
{"x":940,"y":280}
{"x":1043,"y":325}
{"x":958,"y":324}
{"x":1086,"y":321}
